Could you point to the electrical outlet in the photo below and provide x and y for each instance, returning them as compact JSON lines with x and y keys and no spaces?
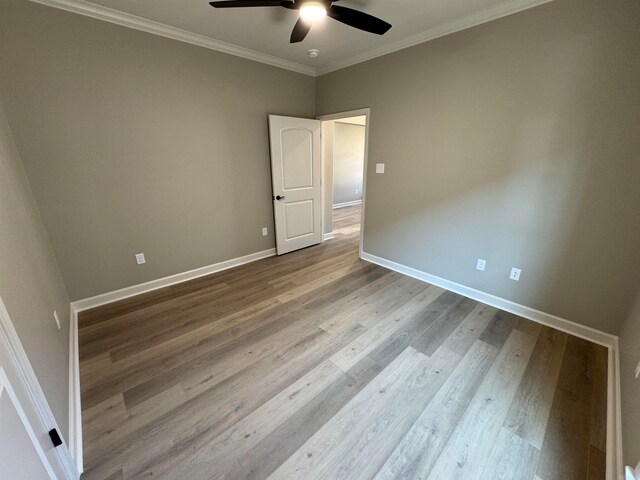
{"x":481,"y":265}
{"x":140,"y":258}
{"x":379,"y":167}
{"x":265,"y":232}
{"x":515,"y":274}
{"x":638,"y":370}
{"x":55,"y":316}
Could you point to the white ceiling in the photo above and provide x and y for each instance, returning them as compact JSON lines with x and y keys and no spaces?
{"x":263,"y":33}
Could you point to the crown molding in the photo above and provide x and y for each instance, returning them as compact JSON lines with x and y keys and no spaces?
{"x":99,"y":12}
{"x":138,"y":23}
{"x":492,"y":13}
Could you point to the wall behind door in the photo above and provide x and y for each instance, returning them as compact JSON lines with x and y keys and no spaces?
{"x":348,"y":162}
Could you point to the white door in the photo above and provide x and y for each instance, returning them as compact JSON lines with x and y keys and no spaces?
{"x":26,"y":450}
{"x":296,"y":175}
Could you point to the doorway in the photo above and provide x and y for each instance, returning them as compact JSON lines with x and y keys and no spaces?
{"x":344,"y":152}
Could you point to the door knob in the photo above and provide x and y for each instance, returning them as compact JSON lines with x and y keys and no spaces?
{"x":280,"y":197}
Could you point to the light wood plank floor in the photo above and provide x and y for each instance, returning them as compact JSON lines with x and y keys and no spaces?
{"x":317,"y":365}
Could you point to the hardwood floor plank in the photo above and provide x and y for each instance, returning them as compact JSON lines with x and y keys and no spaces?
{"x":191,"y":330}
{"x":225,"y":403}
{"x":310,"y":286}
{"x":475,"y":435}
{"x":512,"y":458}
{"x":371,"y":309}
{"x":219,"y":456}
{"x":499,"y":328}
{"x":446,"y":321}
{"x":597,"y":464}
{"x":361,"y":346}
{"x":102,"y":417}
{"x":148,"y":363}
{"x":565,"y":449}
{"x":470,"y":329}
{"x":362,"y":458}
{"x":416,"y":453}
{"x":265,"y":457}
{"x":218,"y":364}
{"x":530,"y":409}
{"x":323,"y":450}
{"x":117,"y":429}
{"x":408,"y":333}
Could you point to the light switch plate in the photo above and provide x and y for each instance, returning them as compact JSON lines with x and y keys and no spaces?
{"x":265,"y":232}
{"x":140,"y":258}
{"x":481,"y":265}
{"x":379,"y":167}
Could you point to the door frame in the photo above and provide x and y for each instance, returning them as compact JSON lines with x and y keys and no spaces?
{"x":59,"y":458}
{"x":6,"y":386}
{"x":337,"y":116}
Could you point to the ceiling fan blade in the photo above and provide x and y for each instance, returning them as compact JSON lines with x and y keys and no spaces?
{"x":357,"y":19}
{"x":247,"y":3}
{"x":300,"y":31}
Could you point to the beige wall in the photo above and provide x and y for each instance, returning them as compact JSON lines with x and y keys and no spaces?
{"x":630,"y":386}
{"x":348,"y":162}
{"x":137,"y":143}
{"x":328,"y":132}
{"x":518,"y":142}
{"x":30,"y":284}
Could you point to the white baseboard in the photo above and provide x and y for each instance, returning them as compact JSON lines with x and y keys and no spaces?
{"x":109,"y":297}
{"x":328,"y":236}
{"x":75,"y":406}
{"x":582,"y":331}
{"x":352,"y":203}
{"x":614,"y":429}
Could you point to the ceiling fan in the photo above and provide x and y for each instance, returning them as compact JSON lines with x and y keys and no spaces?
{"x":314,"y":10}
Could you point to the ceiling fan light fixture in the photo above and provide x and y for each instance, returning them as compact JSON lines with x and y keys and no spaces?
{"x":313,"y":11}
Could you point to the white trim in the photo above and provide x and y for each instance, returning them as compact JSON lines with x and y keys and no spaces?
{"x":75,"y":405}
{"x":350,"y":113}
{"x":28,"y":376}
{"x":118,"y":17}
{"x":614,"y":461}
{"x":5,"y":384}
{"x":614,"y":421}
{"x":134,"y":290}
{"x":352,"y":203}
{"x":328,"y":236}
{"x":356,"y":113}
{"x":138,"y":23}
{"x":487,"y":15}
